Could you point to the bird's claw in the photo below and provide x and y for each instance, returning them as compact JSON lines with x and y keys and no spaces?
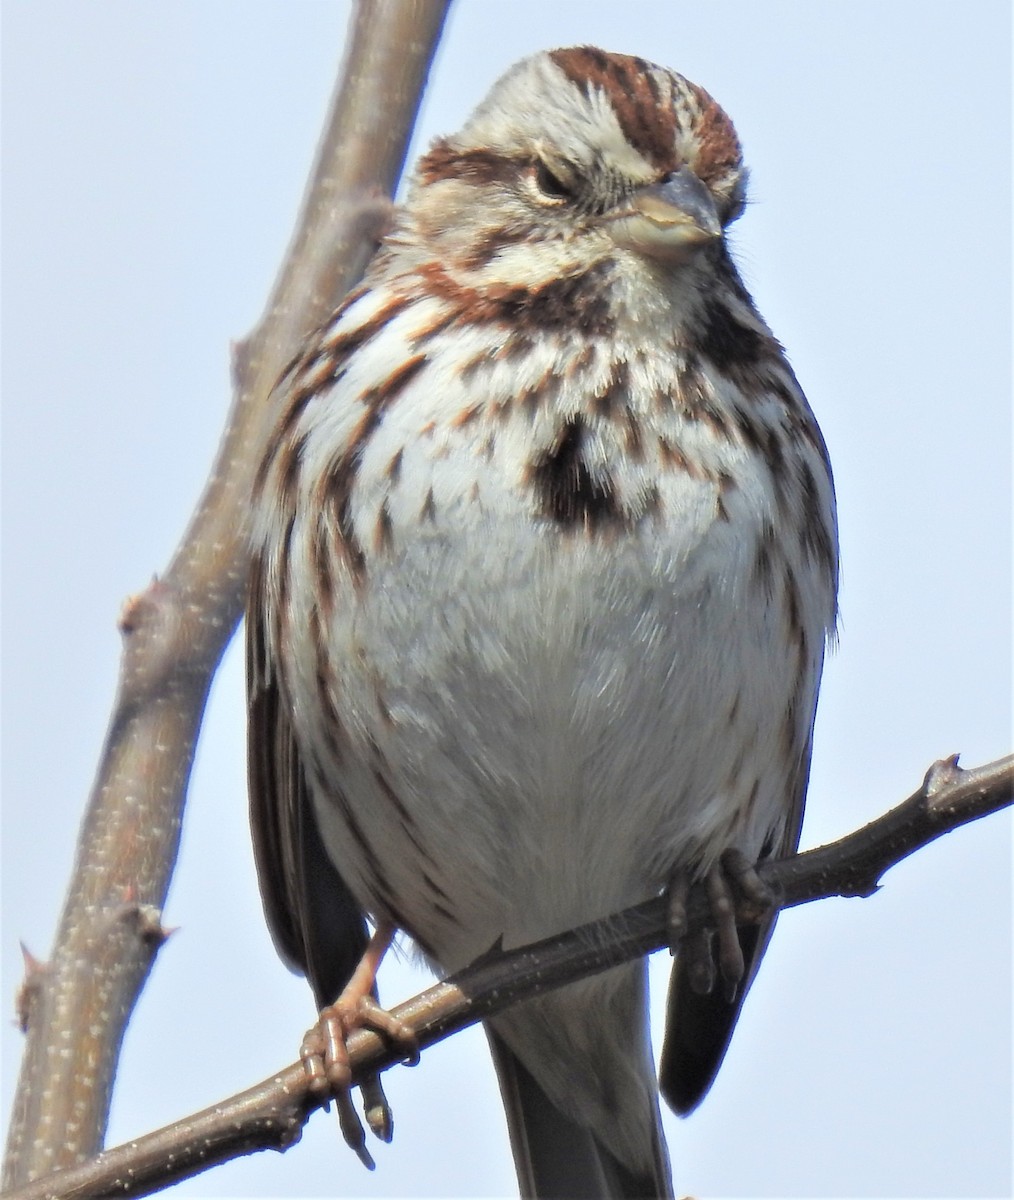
{"x":735,"y":894}
{"x":325,"y":1057}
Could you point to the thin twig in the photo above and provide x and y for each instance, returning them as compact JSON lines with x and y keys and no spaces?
{"x":75,"y":1007}
{"x":272,"y":1114}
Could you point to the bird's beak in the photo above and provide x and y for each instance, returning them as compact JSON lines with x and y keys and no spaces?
{"x":669,"y":220}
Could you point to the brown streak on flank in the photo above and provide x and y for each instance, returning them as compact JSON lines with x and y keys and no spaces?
{"x":696,"y":404}
{"x":290,"y":460}
{"x":349,"y":549}
{"x":737,"y":767}
{"x":336,"y":487}
{"x":615,"y":392}
{"x":633,"y":441}
{"x":763,"y":565}
{"x":394,"y":799}
{"x":321,"y":561}
{"x":394,"y":466}
{"x":298,"y":400}
{"x":443,"y":911}
{"x":751,"y":431}
{"x":341,"y":342}
{"x":649,"y":126}
{"x":317,"y":373}
{"x":323,"y":682}
{"x":383,"y":534}
{"x":382,"y":708}
{"x":437,"y":890}
{"x":280,"y":608}
{"x":818,"y":539}
{"x":466,"y":416}
{"x":673,"y":456}
{"x":367,"y":423}
{"x":469,"y":367}
{"x":517,"y":346}
{"x":774,"y":450}
{"x":427,"y":429}
{"x":429,"y":508}
{"x":581,"y":362}
{"x":789,"y":735}
{"x":652,"y":502}
{"x":424,"y":336}
{"x":806,"y":427}
{"x":793,"y":615}
{"x":366,"y":854}
{"x":726,"y":484}
{"x":408,"y":822}
{"x":279,"y":439}
{"x":544,"y":392}
{"x":322,"y":363}
{"x":385,"y":392}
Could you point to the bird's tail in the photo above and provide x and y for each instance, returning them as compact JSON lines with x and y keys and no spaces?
{"x":557,"y":1158}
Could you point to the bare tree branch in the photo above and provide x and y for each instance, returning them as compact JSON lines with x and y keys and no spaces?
{"x":76,"y":1006}
{"x":272,"y":1114}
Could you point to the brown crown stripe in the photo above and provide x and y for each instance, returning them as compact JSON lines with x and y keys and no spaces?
{"x":720,"y":152}
{"x":648,"y":122}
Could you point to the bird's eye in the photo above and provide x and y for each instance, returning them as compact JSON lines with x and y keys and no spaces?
{"x":551,"y":188}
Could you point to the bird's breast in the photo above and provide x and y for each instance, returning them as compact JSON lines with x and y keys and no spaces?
{"x":547,"y":669}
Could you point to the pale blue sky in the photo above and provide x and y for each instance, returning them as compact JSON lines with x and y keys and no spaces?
{"x":154,"y":156}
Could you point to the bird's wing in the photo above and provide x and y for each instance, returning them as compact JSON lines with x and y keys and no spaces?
{"x":317,"y":926}
{"x":698,"y":1028}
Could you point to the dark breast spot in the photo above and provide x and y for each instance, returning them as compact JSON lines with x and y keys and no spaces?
{"x":565,"y":489}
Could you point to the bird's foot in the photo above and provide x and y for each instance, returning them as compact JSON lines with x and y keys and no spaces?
{"x":325,"y":1056}
{"x":735,"y":894}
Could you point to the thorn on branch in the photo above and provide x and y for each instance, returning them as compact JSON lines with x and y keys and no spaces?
{"x":147,"y":920}
{"x":141,"y":606}
{"x":941,"y":775}
{"x":26,"y":997}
